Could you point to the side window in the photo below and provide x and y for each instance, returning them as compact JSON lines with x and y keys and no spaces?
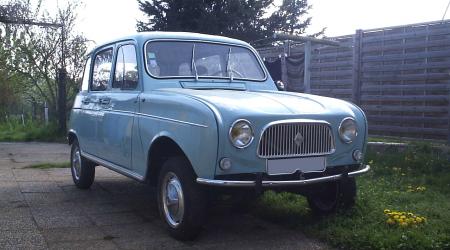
{"x":102,"y":70}
{"x":126,"y":73}
{"x":85,"y":81}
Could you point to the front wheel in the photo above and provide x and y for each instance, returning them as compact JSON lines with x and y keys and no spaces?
{"x":83,"y":170}
{"x":181,"y":201}
{"x":328,"y":197}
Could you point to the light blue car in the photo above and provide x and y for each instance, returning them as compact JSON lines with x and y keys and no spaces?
{"x":198,"y":115}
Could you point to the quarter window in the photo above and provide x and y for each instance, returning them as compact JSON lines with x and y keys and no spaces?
{"x":102,"y":70}
{"x":85,"y":82}
{"x":126,"y":73}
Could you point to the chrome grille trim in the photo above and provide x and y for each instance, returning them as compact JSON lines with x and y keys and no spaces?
{"x":277,"y":139}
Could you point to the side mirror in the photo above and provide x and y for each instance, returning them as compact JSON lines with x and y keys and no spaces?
{"x":280,"y":85}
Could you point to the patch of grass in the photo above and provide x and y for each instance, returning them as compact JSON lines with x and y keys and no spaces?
{"x":14,"y":130}
{"x":391,"y":184}
{"x":50,"y":165}
{"x":386,"y":139}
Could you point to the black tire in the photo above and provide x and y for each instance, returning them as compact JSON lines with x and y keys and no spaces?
{"x":84,"y":174}
{"x":333,"y":195}
{"x":185,"y":220}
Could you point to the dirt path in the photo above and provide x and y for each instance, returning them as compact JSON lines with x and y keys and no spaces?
{"x":41,"y":209}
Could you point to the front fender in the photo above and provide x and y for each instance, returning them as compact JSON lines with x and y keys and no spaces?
{"x":188,"y":122}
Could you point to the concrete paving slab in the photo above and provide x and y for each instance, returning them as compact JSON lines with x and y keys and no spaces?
{"x":14,"y":204}
{"x":39,"y":187}
{"x":6,"y":174}
{"x":22,"y":239}
{"x":59,"y":209}
{"x":160,"y":242}
{"x":74,"y":234}
{"x":48,"y":222}
{"x":16,"y":223}
{"x":9,"y":191}
{"x":116,"y":219}
{"x":31,"y":175}
{"x":85,"y":245}
{"x":135,"y":231}
{"x":106,"y":208}
{"x":36,"y":199}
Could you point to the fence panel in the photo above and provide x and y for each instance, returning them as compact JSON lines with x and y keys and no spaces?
{"x":400,"y":76}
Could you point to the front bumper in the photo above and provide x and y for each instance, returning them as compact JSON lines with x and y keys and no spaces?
{"x":280,"y":183}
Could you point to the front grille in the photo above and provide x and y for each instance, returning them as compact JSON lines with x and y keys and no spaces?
{"x":296,"y":139}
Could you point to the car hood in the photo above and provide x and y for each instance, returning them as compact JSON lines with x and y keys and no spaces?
{"x":267,"y":102}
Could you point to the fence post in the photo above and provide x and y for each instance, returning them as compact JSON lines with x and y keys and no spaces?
{"x":307,"y":72}
{"x":356,"y":88}
{"x":284,"y":77}
{"x":62,"y":100}
{"x":448,"y":114}
{"x":46,"y":113}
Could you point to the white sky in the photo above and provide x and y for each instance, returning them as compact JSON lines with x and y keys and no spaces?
{"x":103,"y":20}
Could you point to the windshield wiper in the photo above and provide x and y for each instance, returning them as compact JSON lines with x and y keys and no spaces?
{"x":229,"y":70}
{"x":193,"y":67}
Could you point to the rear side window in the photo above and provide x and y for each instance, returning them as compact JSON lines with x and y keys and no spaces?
{"x":102,"y":70}
{"x":126,"y":73}
{"x":85,"y":82}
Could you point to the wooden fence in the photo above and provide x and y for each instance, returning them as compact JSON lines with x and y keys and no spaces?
{"x":400,"y":77}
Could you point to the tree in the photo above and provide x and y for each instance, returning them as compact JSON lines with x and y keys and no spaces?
{"x":243,"y":19}
{"x":34,"y":53}
{"x":288,"y":18}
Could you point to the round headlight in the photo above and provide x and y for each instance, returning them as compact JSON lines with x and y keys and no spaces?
{"x":241,"y":133}
{"x":348,"y":130}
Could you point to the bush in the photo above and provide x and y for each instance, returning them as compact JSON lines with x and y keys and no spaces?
{"x":14,"y":130}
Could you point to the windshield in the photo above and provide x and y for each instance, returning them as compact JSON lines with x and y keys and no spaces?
{"x":167,"y":59}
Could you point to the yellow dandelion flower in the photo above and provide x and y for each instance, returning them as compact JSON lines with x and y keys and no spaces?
{"x":390,"y":221}
{"x":419,"y":220}
{"x":386,"y":211}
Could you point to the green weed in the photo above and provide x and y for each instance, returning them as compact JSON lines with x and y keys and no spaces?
{"x":14,"y":130}
{"x":50,"y":165}
{"x":415,"y":180}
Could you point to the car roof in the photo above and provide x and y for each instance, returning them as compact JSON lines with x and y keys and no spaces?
{"x":142,"y":37}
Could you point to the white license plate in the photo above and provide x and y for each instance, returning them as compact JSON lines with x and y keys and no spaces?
{"x":291,"y":165}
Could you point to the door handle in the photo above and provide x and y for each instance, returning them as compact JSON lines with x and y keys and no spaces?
{"x":86,"y":100}
{"x":105,"y":101}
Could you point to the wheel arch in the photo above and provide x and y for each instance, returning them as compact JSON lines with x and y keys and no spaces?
{"x":71,"y":136}
{"x":162,"y":148}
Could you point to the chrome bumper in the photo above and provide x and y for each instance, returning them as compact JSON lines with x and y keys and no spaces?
{"x":265,"y":183}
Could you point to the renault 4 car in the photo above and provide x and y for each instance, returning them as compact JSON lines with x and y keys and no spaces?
{"x":198,"y":115}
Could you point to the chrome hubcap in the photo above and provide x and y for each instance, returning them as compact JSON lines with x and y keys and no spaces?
{"x":76,"y":163}
{"x":173,"y":200}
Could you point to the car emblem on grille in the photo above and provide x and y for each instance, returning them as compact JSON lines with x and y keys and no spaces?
{"x":298,"y":139}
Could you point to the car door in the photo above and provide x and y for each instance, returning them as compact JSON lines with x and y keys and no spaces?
{"x":99,"y":86}
{"x":86,"y":117}
{"x":119,"y":106}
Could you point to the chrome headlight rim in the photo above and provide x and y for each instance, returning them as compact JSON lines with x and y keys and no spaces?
{"x":251,"y":129}
{"x":340,"y":131}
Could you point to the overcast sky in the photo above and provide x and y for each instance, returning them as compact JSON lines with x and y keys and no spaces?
{"x":102,"y":20}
